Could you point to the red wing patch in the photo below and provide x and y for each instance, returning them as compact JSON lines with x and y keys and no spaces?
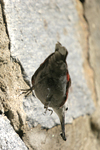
{"x":68,"y":77}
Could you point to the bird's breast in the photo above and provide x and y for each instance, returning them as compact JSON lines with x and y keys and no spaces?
{"x":57,"y":90}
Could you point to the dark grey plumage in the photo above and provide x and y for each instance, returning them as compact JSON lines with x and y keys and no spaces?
{"x":51,"y":82}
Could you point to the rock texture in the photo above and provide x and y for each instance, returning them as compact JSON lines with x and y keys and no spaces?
{"x":9,"y":140}
{"x":9,"y":104}
{"x":79,"y":137}
{"x":34,"y":28}
{"x":10,"y":81}
{"x":92,"y":12}
{"x":93,"y":19}
{"x":29,"y":31}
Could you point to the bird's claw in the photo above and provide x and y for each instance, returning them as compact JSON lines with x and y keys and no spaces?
{"x":26,"y":92}
{"x":51,"y":111}
{"x":47,"y":109}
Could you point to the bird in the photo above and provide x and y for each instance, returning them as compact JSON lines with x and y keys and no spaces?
{"x":51,"y":82}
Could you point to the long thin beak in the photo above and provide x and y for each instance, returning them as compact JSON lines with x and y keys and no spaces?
{"x":61,"y":114}
{"x":63,"y":128}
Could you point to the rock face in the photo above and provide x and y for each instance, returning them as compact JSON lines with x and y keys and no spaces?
{"x":79,"y":136}
{"x":92,"y":12}
{"x":9,"y":140}
{"x":34,"y":28}
{"x":29,"y":31}
{"x":92,"y":15}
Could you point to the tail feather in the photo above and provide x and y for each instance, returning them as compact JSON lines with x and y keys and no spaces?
{"x":61,"y":49}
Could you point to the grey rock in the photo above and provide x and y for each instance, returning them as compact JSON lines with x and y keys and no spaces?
{"x":34,"y":28}
{"x":9,"y":140}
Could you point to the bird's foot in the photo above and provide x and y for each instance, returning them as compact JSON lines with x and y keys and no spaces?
{"x":26,"y":92}
{"x":51,"y":111}
{"x":47,"y":109}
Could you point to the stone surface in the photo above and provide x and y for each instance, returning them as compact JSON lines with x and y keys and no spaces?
{"x":9,"y":140}
{"x":79,"y":137}
{"x":34,"y":28}
{"x":92,"y":12}
{"x":84,"y":132}
{"x":83,"y":31}
{"x":10,"y":82}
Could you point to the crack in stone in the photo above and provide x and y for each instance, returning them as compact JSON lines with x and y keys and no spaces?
{"x":24,"y":74}
{"x":8,"y":113}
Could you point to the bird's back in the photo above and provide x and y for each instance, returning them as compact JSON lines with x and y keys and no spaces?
{"x":50,"y":78}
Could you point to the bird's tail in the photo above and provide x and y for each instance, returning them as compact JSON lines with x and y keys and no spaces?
{"x":62,"y":50}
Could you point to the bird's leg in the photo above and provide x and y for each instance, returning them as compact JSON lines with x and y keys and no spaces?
{"x":27,"y":91}
{"x":51,"y":111}
{"x":46,"y":107}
